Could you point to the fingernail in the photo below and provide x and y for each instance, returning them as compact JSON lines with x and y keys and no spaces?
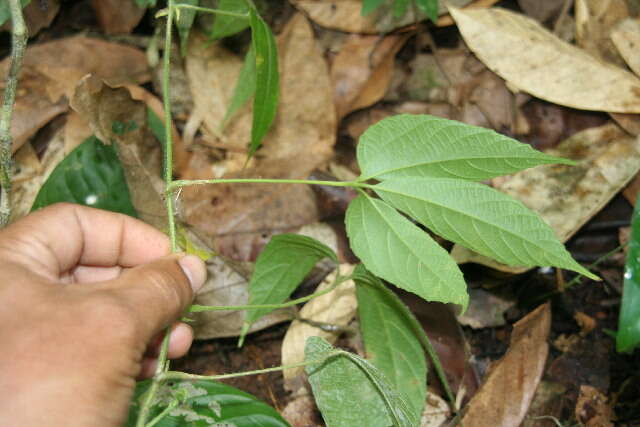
{"x":195,"y":271}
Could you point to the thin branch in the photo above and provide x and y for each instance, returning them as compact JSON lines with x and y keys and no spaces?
{"x":19,"y":44}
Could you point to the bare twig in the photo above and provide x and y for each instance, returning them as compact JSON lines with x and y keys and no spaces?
{"x":19,"y":43}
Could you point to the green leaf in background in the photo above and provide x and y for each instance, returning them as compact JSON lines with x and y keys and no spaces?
{"x":5,"y":10}
{"x":265,"y":102}
{"x":369,"y":6}
{"x":349,"y":391}
{"x":389,"y":335}
{"x":90,"y":175}
{"x":204,"y":403}
{"x":225,"y":25}
{"x":184,"y":22}
{"x":146,"y":3}
{"x":420,"y":145}
{"x":628,"y":336}
{"x":281,"y":266}
{"x":245,"y":87}
{"x":429,"y":7}
{"x":400,"y":8}
{"x":480,"y":218}
{"x":393,"y":248}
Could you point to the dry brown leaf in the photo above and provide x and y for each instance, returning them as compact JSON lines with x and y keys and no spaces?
{"x":362,"y":71}
{"x":508,"y":389}
{"x":592,"y":409}
{"x":566,"y":197}
{"x":626,"y":38}
{"x":76,"y":130}
{"x":37,"y":15}
{"x":337,"y":307}
{"x":139,"y":152}
{"x":345,"y":15}
{"x":446,"y":20}
{"x":631,"y":191}
{"x":594,"y":21}
{"x":51,"y":70}
{"x":238,"y":218}
{"x":117,"y":16}
{"x":541,"y":64}
{"x":541,"y":10}
{"x":436,"y":411}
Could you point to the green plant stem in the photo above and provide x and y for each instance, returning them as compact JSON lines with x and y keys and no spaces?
{"x":188,"y":182}
{"x":209,"y":10}
{"x":175,"y":375}
{"x":170,"y":407}
{"x":163,"y":364}
{"x":198,"y":308}
{"x":19,"y":38}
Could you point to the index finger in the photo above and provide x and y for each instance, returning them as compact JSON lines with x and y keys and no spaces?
{"x":65,"y":235}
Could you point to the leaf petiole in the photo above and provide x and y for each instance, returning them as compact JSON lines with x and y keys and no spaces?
{"x":188,"y":182}
{"x":165,"y":12}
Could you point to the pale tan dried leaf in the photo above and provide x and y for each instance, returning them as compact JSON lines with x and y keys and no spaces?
{"x":362,"y":71}
{"x":345,"y":15}
{"x":594,"y":21}
{"x":436,"y":411}
{"x":337,"y":307}
{"x":568,"y":196}
{"x":139,"y":152}
{"x":446,"y":20}
{"x":541,"y":64}
{"x":117,"y":16}
{"x":51,"y":71}
{"x":626,"y":38}
{"x":508,"y":389}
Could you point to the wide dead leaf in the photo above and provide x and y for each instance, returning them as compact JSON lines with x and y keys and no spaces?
{"x":117,"y":16}
{"x":505,"y":395}
{"x":626,"y":38}
{"x":336,"y":308}
{"x":543,"y":65}
{"x":362,"y":71}
{"x":51,"y":71}
{"x":345,"y":15}
{"x":37,"y":15}
{"x":568,"y":196}
{"x":237,"y":218}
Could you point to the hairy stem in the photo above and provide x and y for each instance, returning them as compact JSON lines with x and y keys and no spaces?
{"x":209,"y":10}
{"x":198,"y":308}
{"x":19,"y":38}
{"x":174,"y":375}
{"x":163,"y":363}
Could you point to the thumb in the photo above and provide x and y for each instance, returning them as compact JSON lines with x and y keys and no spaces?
{"x":160,"y":291}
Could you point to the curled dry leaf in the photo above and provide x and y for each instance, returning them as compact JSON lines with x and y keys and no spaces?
{"x":345,"y":15}
{"x":568,"y":196}
{"x":337,"y":307}
{"x":505,"y":395}
{"x":51,"y":71}
{"x":117,"y":16}
{"x":542,"y":65}
{"x":362,"y":71}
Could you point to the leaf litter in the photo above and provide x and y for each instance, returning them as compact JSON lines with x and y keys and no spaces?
{"x":450,"y":82}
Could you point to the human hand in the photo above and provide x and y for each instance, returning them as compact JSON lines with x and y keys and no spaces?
{"x":84,"y":297}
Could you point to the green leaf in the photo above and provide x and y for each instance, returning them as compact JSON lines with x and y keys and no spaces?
{"x":225,"y":25}
{"x":369,"y":6}
{"x":349,"y":391}
{"x":421,"y":145}
{"x":429,"y":7}
{"x":5,"y":10}
{"x":628,"y":336}
{"x":90,"y":175}
{"x":282,"y":265}
{"x":400,"y":8}
{"x":265,"y":102}
{"x":245,"y":86}
{"x":480,"y":218}
{"x":393,"y":248}
{"x":146,"y":3}
{"x":204,"y":403}
{"x":390,"y":338}
{"x":184,"y":22}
